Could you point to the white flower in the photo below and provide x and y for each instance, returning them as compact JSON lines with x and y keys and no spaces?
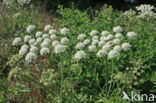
{"x":109,"y":37}
{"x":24,"y":47}
{"x":30,"y":28}
{"x":95,"y":38}
{"x":47,"y":40}
{"x":52,"y":31}
{"x":126,"y":46}
{"x":86,"y":41}
{"x":95,"y":42}
{"x":104,"y":33}
{"x":80,"y":55}
{"x":101,"y":43}
{"x":113,"y":53}
{"x":23,"y":2}
{"x":106,"y":47}
{"x":32,"y":41}
{"x":118,"y":35}
{"x":116,"y":41}
{"x":65,"y":31}
{"x":39,"y":40}
{"x":80,"y":46}
{"x":33,"y":49}
{"x":117,"y":48}
{"x":30,"y":57}
{"x":48,"y":27}
{"x":53,"y":37}
{"x":45,"y":36}
{"x":27,"y":38}
{"x":117,"y":29}
{"x":55,"y":43}
{"x":22,"y":51}
{"x":91,"y":48}
{"x":81,"y":37}
{"x":44,"y":44}
{"x":64,"y":41}
{"x":17,"y":41}
{"x":38,"y":34}
{"x":60,"y":48}
{"x":93,"y":33}
{"x":101,"y":53}
{"x":44,"y":51}
{"x":131,"y":35}
{"x":103,"y":38}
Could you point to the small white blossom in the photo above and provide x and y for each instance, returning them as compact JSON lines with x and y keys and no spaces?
{"x":91,"y":48}
{"x":126,"y":46}
{"x":32,"y":41}
{"x":47,"y":40}
{"x":101,"y":53}
{"x":39,"y":40}
{"x":23,"y":2}
{"x":60,"y":48}
{"x":45,"y":36}
{"x":106,"y":47}
{"x":65,"y":31}
{"x":117,"y":48}
{"x":81,"y":37}
{"x":80,"y":46}
{"x":95,"y":42}
{"x":105,"y":33}
{"x":118,"y":35}
{"x":30,"y":57}
{"x":30,"y":28}
{"x":93,"y":33}
{"x":116,"y":41}
{"x":95,"y":38}
{"x":24,"y":47}
{"x":80,"y":55}
{"x":44,"y":44}
{"x":17,"y":41}
{"x":22,"y":51}
{"x":64,"y":41}
{"x":38,"y":34}
{"x":33,"y":49}
{"x":55,"y":43}
{"x":53,"y":37}
{"x":117,"y":29}
{"x":131,"y":35}
{"x":103,"y":38}
{"x":113,"y":53}
{"x":109,"y":37}
{"x":86,"y":41}
{"x":27,"y":38}
{"x":52,"y":31}
{"x":101,"y":43}
{"x":48,"y":27}
{"x":44,"y":51}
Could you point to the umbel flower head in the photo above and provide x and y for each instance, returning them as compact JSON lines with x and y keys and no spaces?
{"x":27,"y":38}
{"x":101,"y":53}
{"x":113,"y":53}
{"x":53,"y":37}
{"x":23,"y":2}
{"x":117,"y":29}
{"x":101,"y":43}
{"x":39,"y":40}
{"x":126,"y":46}
{"x":44,"y":51}
{"x":30,"y":28}
{"x":48,"y":28}
{"x":117,"y":48}
{"x":23,"y":51}
{"x":91,"y":48}
{"x":32,"y":41}
{"x":109,"y":37}
{"x":64,"y":41}
{"x":45,"y":36}
{"x":44,"y":44}
{"x":116,"y":41}
{"x":95,"y":38}
{"x":33,"y":49}
{"x":131,"y":35}
{"x":30,"y":57}
{"x":80,"y":46}
{"x":81,"y":37}
{"x":17,"y":41}
{"x":24,"y":47}
{"x":65,"y":31}
{"x":105,"y":33}
{"x":118,"y":35}
{"x":93,"y":33}
{"x":106,"y":47}
{"x":80,"y":55}
{"x":60,"y":48}
{"x":55,"y":43}
{"x":86,"y":41}
{"x":95,"y":42}
{"x":38,"y":34}
{"x":52,"y":31}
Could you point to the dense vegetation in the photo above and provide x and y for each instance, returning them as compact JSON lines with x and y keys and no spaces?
{"x":75,"y":56}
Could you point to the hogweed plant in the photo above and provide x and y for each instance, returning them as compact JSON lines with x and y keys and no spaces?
{"x":97,"y":55}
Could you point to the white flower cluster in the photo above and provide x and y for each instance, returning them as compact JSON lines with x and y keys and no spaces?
{"x":41,"y":43}
{"x":106,"y":44}
{"x":65,"y":31}
{"x":8,"y":3}
{"x":145,"y":11}
{"x":23,"y":2}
